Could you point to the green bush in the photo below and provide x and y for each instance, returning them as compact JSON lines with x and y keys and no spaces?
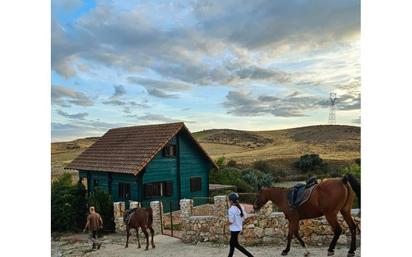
{"x":310,"y":162}
{"x":353,"y":169}
{"x":265,"y":180}
{"x":103,"y":203}
{"x":230,"y":176}
{"x":68,"y":205}
{"x":220,"y":162}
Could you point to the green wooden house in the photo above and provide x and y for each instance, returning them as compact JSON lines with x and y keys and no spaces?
{"x":146,"y":163}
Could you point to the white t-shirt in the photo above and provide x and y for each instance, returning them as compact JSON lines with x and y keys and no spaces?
{"x":235,"y":219}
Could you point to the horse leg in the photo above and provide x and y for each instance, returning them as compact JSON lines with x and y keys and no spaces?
{"x":152,"y":234}
{"x":138,"y":240}
{"x":291,"y":230}
{"x":127,"y":236}
{"x":352,"y":227}
{"x":301,"y":242}
{"x":147,"y":237}
{"x":337,"y":230}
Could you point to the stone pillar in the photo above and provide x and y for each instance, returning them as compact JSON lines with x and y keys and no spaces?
{"x":186,"y":206}
{"x":220,"y":205}
{"x":134,"y":204}
{"x":157,"y":208}
{"x":118,"y":211}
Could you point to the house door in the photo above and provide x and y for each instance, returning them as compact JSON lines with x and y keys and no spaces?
{"x":124,"y":193}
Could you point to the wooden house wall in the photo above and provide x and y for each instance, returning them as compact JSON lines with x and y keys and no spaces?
{"x":193,"y":163}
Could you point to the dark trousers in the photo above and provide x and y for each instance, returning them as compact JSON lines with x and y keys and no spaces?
{"x":234,"y":243}
{"x":93,"y":238}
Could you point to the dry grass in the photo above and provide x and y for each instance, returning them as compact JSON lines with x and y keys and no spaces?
{"x":338,"y":145}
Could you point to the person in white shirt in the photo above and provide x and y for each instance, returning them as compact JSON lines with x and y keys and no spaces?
{"x":236,"y":217}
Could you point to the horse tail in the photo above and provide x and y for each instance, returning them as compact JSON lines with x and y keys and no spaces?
{"x":150,"y":213}
{"x":355,"y":185}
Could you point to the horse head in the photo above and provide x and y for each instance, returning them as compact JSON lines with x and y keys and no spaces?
{"x":261,"y":199}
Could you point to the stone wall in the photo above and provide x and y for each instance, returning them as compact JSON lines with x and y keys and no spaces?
{"x":119,"y":209}
{"x":265,"y":227}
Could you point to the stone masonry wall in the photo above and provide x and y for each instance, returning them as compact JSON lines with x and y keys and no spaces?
{"x":265,"y":227}
{"x":119,"y":209}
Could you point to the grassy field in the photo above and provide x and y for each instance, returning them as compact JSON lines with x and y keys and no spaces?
{"x":337,"y":145}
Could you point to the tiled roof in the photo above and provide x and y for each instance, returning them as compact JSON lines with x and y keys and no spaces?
{"x":127,"y":150}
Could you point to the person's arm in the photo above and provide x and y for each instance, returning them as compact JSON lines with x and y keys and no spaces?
{"x":87,"y":224}
{"x":231,"y":216}
{"x":101,"y":221}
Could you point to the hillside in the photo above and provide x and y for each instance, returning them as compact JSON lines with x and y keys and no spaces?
{"x":337,"y":145}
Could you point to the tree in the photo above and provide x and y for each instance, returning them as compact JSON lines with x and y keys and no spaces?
{"x":309,"y":162}
{"x":68,"y":205}
{"x":103,"y":203}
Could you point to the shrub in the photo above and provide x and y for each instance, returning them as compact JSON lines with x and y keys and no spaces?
{"x":309,"y":162}
{"x":262,"y":166}
{"x":231,"y":163}
{"x":251,"y":179}
{"x":68,"y":205}
{"x":265,"y":180}
{"x":230,"y":176}
{"x":220,"y":162}
{"x":353,"y":169}
{"x":103,"y":203}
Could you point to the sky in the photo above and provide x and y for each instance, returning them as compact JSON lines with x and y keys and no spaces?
{"x":250,"y":65}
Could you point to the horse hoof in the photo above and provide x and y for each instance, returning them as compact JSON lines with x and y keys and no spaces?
{"x":331,"y":253}
{"x":306,"y":254}
{"x":153,"y":246}
{"x":351,"y":254}
{"x":284,"y":253}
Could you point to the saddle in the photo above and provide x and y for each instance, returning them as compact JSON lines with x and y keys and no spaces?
{"x":300,"y":193}
{"x":126,"y":218}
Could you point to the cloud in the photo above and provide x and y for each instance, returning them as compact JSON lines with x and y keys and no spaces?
{"x":357,"y":120}
{"x":159,"y":88}
{"x":77,"y":116}
{"x":63,"y":96}
{"x":280,"y":24}
{"x":119,"y":91}
{"x":67,"y":5}
{"x":119,"y":99}
{"x":82,"y":128}
{"x":295,"y":104}
{"x":191,"y":51}
{"x":154,"y":117}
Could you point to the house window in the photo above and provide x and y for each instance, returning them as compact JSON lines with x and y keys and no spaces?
{"x":158,"y":189}
{"x":169,"y":151}
{"x":195,"y":184}
{"x":124,"y":190}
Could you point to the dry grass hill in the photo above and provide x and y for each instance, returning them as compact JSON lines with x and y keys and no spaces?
{"x":338,"y":145}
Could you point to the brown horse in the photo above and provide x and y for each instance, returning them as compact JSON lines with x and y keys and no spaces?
{"x":328,"y":198}
{"x":140,"y":217}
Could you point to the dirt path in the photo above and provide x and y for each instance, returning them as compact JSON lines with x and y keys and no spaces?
{"x":113,"y":246}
